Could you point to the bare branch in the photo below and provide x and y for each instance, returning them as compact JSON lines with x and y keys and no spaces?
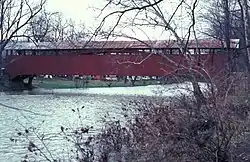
{"x":21,"y":110}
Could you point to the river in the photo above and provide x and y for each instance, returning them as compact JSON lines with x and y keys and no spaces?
{"x":48,"y":110}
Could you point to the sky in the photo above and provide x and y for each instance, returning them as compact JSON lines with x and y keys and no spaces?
{"x":78,"y":10}
{"x":84,"y":11}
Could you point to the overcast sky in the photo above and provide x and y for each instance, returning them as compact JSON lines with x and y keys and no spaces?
{"x":83,"y":11}
{"x":78,"y":10}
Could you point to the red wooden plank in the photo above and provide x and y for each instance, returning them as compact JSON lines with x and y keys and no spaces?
{"x":122,"y":65}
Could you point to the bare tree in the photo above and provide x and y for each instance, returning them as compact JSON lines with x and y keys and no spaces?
{"x":52,"y":27}
{"x":245,"y":17}
{"x":224,"y":19}
{"x":59,"y":26}
{"x":230,"y":20}
{"x":47,"y":27}
{"x":15,"y":15}
{"x":153,"y":13}
{"x":40,"y":28}
{"x":75,"y":33}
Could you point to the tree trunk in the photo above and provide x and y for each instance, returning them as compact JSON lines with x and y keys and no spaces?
{"x":199,"y":96}
{"x":125,"y":80}
{"x":2,"y":35}
{"x":133,"y":80}
{"x":245,"y":23}
{"x":227,"y":33}
{"x":227,"y":36}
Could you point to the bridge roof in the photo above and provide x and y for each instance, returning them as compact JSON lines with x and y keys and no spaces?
{"x":158,"y":44}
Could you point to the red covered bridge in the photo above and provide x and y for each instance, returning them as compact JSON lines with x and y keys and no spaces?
{"x":121,"y":58}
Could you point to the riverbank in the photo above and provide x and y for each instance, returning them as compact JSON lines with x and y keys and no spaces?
{"x":55,"y":83}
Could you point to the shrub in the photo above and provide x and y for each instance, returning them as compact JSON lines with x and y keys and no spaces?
{"x":177,"y":131}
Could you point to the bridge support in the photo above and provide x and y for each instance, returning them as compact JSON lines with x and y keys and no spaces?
{"x":18,"y":83}
{"x":29,"y":84}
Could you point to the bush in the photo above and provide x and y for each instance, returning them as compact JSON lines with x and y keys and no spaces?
{"x":177,"y":131}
